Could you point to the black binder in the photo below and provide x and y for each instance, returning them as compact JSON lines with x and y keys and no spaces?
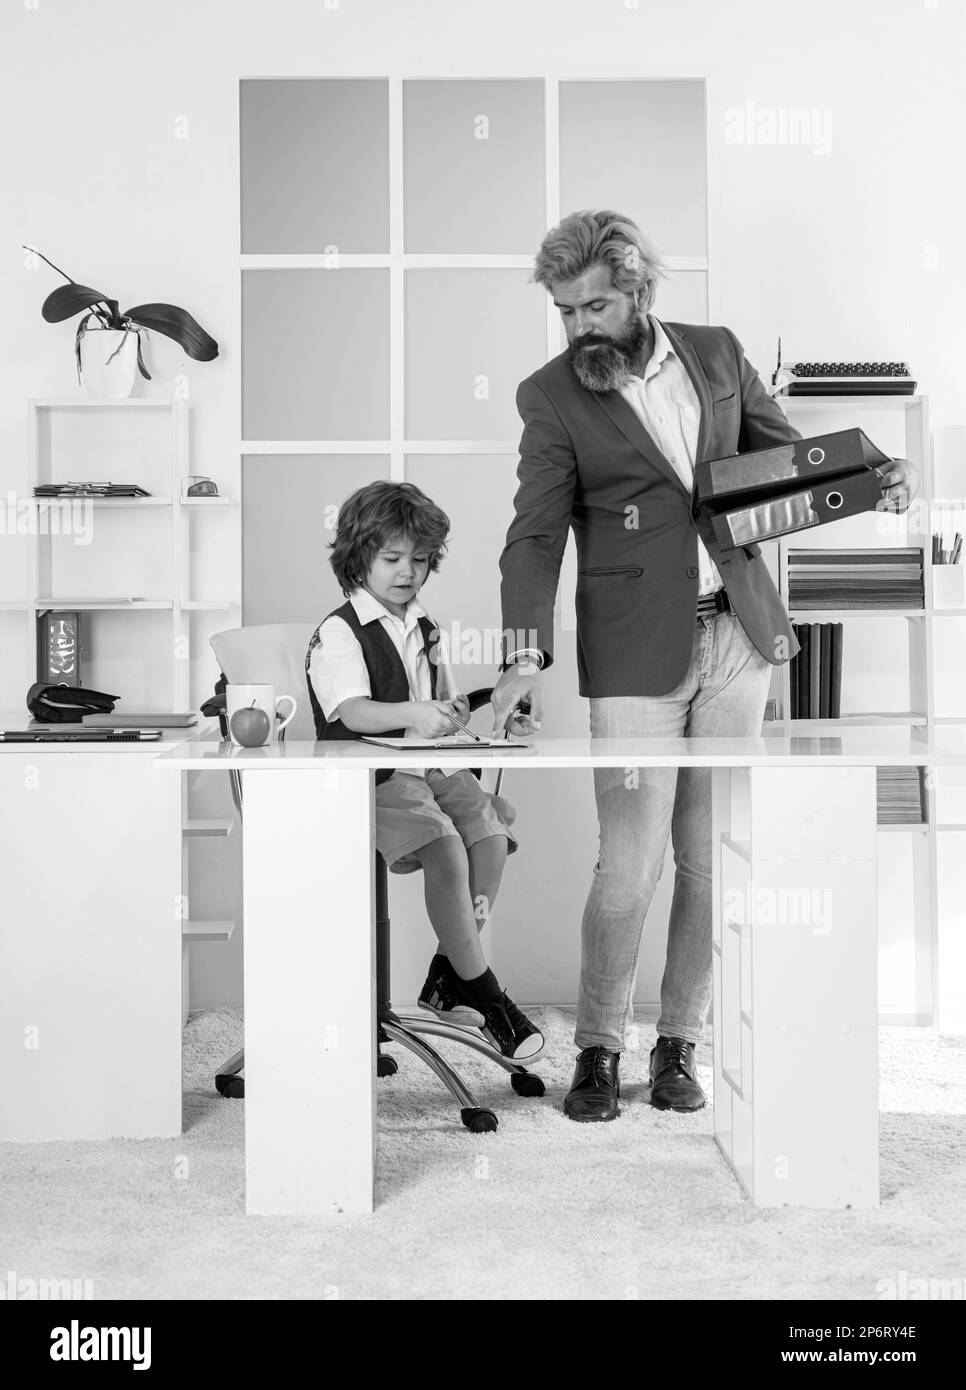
{"x":826,"y":670}
{"x":798,"y":511}
{"x":835,"y":694}
{"x":775,"y":492}
{"x":815,"y":670}
{"x":805,"y":637}
{"x":787,"y":467}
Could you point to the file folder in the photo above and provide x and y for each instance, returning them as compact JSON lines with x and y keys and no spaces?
{"x":787,"y":467}
{"x":804,"y":483}
{"x":797,"y":511}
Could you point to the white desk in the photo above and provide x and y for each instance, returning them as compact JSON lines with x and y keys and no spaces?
{"x":795,"y":955}
{"x":90,"y":940}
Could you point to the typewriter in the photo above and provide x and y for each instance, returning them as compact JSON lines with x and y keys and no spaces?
{"x":841,"y":378}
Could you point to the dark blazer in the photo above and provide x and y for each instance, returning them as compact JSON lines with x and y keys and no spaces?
{"x":587,"y":462}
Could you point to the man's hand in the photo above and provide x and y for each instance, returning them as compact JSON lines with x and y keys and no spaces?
{"x":430,"y":717}
{"x":519,"y":683}
{"x":900,"y":483}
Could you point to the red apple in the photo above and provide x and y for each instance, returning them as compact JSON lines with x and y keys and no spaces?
{"x":250,"y":727}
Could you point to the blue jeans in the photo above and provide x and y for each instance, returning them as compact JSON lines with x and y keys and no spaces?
{"x":722,"y":695}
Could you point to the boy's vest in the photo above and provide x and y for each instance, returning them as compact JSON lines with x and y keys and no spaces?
{"x":388,"y":681}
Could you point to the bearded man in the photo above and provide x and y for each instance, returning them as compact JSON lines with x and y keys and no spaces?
{"x":675,"y":637}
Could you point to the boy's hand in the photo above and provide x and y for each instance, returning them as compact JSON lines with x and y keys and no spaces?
{"x":462,"y":706}
{"x":430,"y":717}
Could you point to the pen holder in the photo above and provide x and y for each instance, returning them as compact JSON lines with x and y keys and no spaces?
{"x":948,"y":587}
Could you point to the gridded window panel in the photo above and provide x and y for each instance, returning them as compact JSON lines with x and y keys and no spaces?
{"x":639,"y":148}
{"x":473,"y":166}
{"x":314,"y":165}
{"x":471,"y":338}
{"x":290,"y":505}
{"x":315,"y":360}
{"x":464,"y":596}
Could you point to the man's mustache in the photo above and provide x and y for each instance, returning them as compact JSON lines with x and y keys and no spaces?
{"x":592,"y":340}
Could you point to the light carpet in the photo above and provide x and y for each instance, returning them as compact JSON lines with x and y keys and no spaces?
{"x":543,"y":1209}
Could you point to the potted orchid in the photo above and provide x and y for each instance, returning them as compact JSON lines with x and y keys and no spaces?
{"x":107,"y":344}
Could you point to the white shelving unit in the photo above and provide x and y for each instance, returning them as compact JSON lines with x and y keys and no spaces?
{"x":158,"y":544}
{"x":920,"y":703}
{"x":134,"y":451}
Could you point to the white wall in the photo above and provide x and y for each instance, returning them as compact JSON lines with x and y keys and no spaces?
{"x":849,"y":246}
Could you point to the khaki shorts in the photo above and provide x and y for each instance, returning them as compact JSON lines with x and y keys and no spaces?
{"x":411,"y":812}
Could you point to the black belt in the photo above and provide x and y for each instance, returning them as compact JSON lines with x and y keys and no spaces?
{"x":717,"y":602}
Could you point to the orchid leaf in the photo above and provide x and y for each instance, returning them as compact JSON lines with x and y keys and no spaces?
{"x":68,"y":300}
{"x":141,"y":367}
{"x":177,"y":324}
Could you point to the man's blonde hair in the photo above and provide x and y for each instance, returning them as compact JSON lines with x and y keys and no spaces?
{"x":600,"y":237}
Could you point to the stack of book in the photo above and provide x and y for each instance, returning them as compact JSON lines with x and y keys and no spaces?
{"x":855,"y":578}
{"x":816,"y":672}
{"x":899,"y":794}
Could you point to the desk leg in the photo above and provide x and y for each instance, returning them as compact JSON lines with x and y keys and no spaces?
{"x":795,"y":983}
{"x":309,"y":991}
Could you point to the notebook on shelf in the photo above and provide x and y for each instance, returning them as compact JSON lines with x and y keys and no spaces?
{"x":165,"y":719}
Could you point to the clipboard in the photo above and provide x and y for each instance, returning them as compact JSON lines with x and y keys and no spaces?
{"x":447,"y":743}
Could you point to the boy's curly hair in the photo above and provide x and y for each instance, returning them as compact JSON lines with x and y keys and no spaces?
{"x":379,"y":513}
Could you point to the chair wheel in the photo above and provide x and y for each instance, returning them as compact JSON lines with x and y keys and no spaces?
{"x":231,"y":1087}
{"x":479,"y":1121}
{"x":526,"y":1084}
{"x":386,"y":1066}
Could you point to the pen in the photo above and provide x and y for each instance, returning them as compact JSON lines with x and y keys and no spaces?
{"x":476,"y":738}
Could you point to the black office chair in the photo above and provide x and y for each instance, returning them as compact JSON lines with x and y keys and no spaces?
{"x":390,"y":1026}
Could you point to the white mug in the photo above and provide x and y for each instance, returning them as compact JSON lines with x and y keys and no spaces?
{"x":263,"y":697}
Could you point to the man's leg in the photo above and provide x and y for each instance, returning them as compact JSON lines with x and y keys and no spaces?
{"x":730,"y":701}
{"x":634,"y":807}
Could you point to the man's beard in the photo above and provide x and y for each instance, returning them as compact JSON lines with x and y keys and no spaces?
{"x":606,"y":366}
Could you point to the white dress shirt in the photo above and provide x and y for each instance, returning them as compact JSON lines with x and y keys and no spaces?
{"x":665,"y":402}
{"x":337,"y":667}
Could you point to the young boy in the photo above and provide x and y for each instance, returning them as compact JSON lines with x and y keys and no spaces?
{"x":376,"y":666}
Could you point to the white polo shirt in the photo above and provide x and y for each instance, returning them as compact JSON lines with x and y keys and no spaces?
{"x":337,"y":667}
{"x":665,"y":402}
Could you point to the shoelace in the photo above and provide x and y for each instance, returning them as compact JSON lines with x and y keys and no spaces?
{"x":518,"y":1021}
{"x":675,"y":1053}
{"x":601,"y":1063}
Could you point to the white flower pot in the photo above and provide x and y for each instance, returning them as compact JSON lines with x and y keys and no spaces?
{"x":104,"y":377}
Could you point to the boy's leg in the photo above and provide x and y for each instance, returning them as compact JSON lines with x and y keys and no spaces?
{"x":487,"y":862}
{"x":487,"y":859}
{"x":450,"y":907}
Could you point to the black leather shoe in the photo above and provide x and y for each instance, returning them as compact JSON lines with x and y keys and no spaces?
{"x":674,"y":1085}
{"x":595,"y":1089}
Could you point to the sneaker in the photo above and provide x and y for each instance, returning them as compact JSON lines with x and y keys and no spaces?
{"x":439,"y":996}
{"x":511,"y":1032}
